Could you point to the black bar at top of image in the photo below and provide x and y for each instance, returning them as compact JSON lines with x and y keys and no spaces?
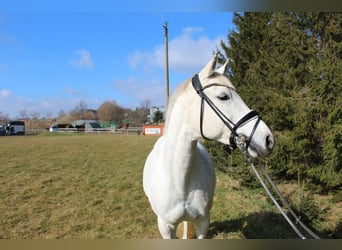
{"x":172,"y":6}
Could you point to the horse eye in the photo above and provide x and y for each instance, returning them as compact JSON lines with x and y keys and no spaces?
{"x":223,"y":97}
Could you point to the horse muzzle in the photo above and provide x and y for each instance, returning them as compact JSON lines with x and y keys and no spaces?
{"x":259,"y":142}
{"x":261,"y":145}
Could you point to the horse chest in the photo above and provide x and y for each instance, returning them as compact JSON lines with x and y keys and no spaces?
{"x":179,"y":180}
{"x":191,"y":193}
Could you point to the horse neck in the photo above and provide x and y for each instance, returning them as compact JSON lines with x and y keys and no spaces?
{"x":180,"y":140}
{"x":178,"y":129}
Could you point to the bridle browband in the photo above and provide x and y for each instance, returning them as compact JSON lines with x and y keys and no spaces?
{"x":229,"y":124}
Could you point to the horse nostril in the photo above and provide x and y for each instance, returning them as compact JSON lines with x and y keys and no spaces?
{"x":269,"y":142}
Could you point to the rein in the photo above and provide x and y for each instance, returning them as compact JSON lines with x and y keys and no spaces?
{"x":241,"y":144}
{"x":229,"y":123}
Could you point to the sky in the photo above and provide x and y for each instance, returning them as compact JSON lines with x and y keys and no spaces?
{"x":52,"y":59}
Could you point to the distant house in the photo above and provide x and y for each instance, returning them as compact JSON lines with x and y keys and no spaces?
{"x":78,"y":125}
{"x":86,"y":125}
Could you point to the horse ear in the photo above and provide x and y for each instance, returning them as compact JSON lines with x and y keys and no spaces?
{"x":223,"y":68}
{"x":209,"y":69}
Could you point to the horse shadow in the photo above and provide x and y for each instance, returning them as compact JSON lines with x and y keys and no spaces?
{"x":258,"y":225}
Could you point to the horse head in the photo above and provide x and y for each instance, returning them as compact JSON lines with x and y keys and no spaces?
{"x":223,"y":115}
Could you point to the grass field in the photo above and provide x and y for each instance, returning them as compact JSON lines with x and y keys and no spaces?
{"x":90,"y":187}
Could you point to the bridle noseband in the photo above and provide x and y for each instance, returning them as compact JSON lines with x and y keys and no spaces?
{"x":234,"y":136}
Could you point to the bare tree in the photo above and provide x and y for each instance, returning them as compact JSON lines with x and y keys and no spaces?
{"x":78,"y":110}
{"x":81,"y":105}
{"x":110,"y":111}
{"x":144,"y":110}
{"x":48,"y":114}
{"x":145,"y":104}
{"x":3,"y":118}
{"x":23,"y":113}
{"x":34,"y":114}
{"x":61,"y":113}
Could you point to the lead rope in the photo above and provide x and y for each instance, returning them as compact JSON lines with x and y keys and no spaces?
{"x":241,"y":143}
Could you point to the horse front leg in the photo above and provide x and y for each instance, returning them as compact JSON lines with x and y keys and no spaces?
{"x":201,"y":226}
{"x":167,"y":231}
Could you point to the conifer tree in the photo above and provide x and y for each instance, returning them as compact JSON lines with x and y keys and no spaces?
{"x":288,"y":67}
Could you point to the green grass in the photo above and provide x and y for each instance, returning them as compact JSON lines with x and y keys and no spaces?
{"x":74,"y":187}
{"x":90,"y":187}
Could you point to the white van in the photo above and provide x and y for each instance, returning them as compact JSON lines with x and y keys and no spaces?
{"x":15,"y":128}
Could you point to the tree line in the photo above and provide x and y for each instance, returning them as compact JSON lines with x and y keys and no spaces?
{"x":108,"y":112}
{"x":112,"y":112}
{"x":288,"y":67}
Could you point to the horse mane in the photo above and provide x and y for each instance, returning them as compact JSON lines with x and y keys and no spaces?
{"x":179,"y":90}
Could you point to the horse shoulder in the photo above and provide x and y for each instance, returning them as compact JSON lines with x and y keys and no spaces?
{"x":204,"y":156}
{"x":151,"y":164}
{"x":207,"y":167}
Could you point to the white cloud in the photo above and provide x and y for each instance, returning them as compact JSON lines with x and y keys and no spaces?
{"x":5,"y":93}
{"x":188,"y":52}
{"x":137,"y":90}
{"x":84,"y":60}
{"x":12,"y":104}
{"x":70,"y":91}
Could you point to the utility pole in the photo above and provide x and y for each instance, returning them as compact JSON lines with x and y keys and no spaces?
{"x":166,"y":64}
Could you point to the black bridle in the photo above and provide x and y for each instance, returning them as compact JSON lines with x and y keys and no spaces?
{"x":229,"y":124}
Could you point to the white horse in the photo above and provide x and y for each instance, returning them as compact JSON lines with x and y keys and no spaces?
{"x":179,"y":178}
